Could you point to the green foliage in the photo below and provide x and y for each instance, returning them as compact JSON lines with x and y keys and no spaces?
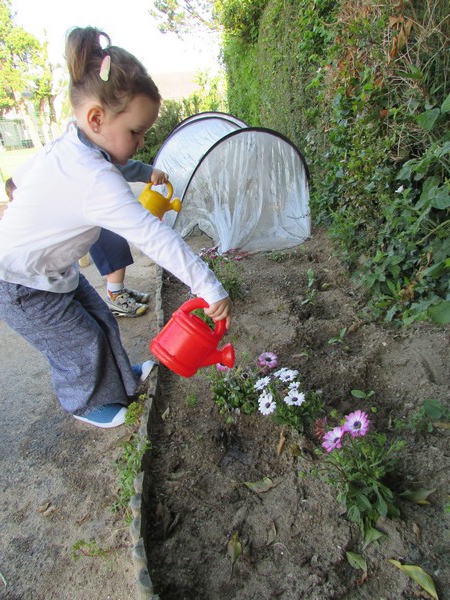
{"x":365,"y":95}
{"x":241,"y":18}
{"x":129,"y":465}
{"x":243,"y":86}
{"x":423,"y":419}
{"x":23,"y":63}
{"x":135,"y":411}
{"x":233,"y":389}
{"x":249,"y":387}
{"x":359,"y":470}
{"x":226,"y":268}
{"x":91,"y":548}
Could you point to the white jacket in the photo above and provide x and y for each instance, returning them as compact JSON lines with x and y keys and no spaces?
{"x":64,"y":195}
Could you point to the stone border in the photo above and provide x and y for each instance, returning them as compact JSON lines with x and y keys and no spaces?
{"x":143,"y":581}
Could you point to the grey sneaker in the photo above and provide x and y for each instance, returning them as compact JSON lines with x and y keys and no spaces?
{"x":124,"y":305}
{"x":140,"y":297}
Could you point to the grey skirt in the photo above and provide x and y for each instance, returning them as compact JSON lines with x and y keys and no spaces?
{"x":80,"y":339}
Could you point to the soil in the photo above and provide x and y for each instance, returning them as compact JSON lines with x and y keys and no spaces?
{"x":295,"y":535}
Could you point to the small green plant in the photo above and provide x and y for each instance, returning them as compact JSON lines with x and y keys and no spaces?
{"x":135,"y":411}
{"x":275,"y":256}
{"x":83,"y":548}
{"x":129,"y":464}
{"x":357,"y":463}
{"x":362,"y":395}
{"x":340,"y":338}
{"x":422,"y":420}
{"x":311,"y":291}
{"x":233,"y":389}
{"x":276,"y":393}
{"x":192,"y":398}
{"x":226,"y":269}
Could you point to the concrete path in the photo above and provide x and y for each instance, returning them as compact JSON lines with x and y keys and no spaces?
{"x":58,"y":477}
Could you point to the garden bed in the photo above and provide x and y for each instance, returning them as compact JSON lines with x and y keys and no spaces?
{"x":209,"y":534}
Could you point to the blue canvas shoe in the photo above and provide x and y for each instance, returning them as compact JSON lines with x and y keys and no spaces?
{"x":106,"y":417}
{"x":143,"y":370}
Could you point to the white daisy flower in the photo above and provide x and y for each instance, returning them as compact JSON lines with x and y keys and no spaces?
{"x":262,"y":383}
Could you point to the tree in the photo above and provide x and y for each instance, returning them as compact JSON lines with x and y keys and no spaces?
{"x":186,"y":16}
{"x":22,"y":64}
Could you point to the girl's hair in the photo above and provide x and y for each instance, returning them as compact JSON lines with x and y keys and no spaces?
{"x":126,"y":79}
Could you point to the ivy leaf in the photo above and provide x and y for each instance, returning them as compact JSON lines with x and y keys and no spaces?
{"x":446,"y":105}
{"x":427,"y":119}
{"x":440,"y":313}
{"x":419,"y":576}
{"x":356,"y":561}
{"x":260,"y":486}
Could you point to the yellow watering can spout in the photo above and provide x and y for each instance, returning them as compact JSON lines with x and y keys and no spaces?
{"x":158,"y":204}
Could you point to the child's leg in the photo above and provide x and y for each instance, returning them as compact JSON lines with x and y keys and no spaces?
{"x":80,"y":339}
{"x":111,"y":255}
{"x":111,"y":252}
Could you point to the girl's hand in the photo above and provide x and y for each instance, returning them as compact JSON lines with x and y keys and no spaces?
{"x":158,"y":177}
{"x":220,"y":310}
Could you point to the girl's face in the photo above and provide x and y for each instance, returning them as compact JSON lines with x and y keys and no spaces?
{"x":122,"y":135}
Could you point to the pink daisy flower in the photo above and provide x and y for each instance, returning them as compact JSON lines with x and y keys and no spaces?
{"x":268,"y":359}
{"x":357,"y":423}
{"x":221,"y":367}
{"x":333,"y":439}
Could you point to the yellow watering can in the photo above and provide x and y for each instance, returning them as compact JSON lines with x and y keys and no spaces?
{"x":158,"y":204}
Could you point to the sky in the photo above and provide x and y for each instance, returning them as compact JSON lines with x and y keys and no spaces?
{"x":128,"y":24}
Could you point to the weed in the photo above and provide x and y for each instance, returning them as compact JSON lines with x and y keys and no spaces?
{"x":135,"y":411}
{"x":226,"y":269}
{"x":340,"y":338}
{"x":275,"y":256}
{"x":129,"y":464}
{"x":83,"y":548}
{"x":423,"y":419}
{"x":192,"y":399}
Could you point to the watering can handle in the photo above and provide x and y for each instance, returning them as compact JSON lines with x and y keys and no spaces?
{"x":220,"y":326}
{"x":169,"y":188}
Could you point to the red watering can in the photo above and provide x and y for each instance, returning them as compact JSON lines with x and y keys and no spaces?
{"x":186,"y":343}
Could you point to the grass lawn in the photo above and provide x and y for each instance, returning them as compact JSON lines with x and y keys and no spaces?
{"x":9,"y":161}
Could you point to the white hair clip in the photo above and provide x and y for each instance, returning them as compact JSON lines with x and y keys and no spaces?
{"x":105,"y":67}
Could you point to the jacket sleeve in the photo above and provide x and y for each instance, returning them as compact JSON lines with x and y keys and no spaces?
{"x":136,"y":170}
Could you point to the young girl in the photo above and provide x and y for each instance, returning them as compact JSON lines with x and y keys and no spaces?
{"x":64,"y":196}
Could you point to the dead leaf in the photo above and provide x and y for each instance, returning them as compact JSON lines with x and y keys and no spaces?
{"x":272,"y":535}
{"x":260,"y":487}
{"x":165,"y":414}
{"x":441,"y":425}
{"x":416,"y":530}
{"x":43,"y":507}
{"x":281,"y":442}
{"x":234,"y":547}
{"x":51,"y":509}
{"x":164,"y":515}
{"x":418,"y":496}
{"x":419,"y":576}
{"x":174,"y":523}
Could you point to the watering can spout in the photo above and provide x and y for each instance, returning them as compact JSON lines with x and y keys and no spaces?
{"x":224,"y":357}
